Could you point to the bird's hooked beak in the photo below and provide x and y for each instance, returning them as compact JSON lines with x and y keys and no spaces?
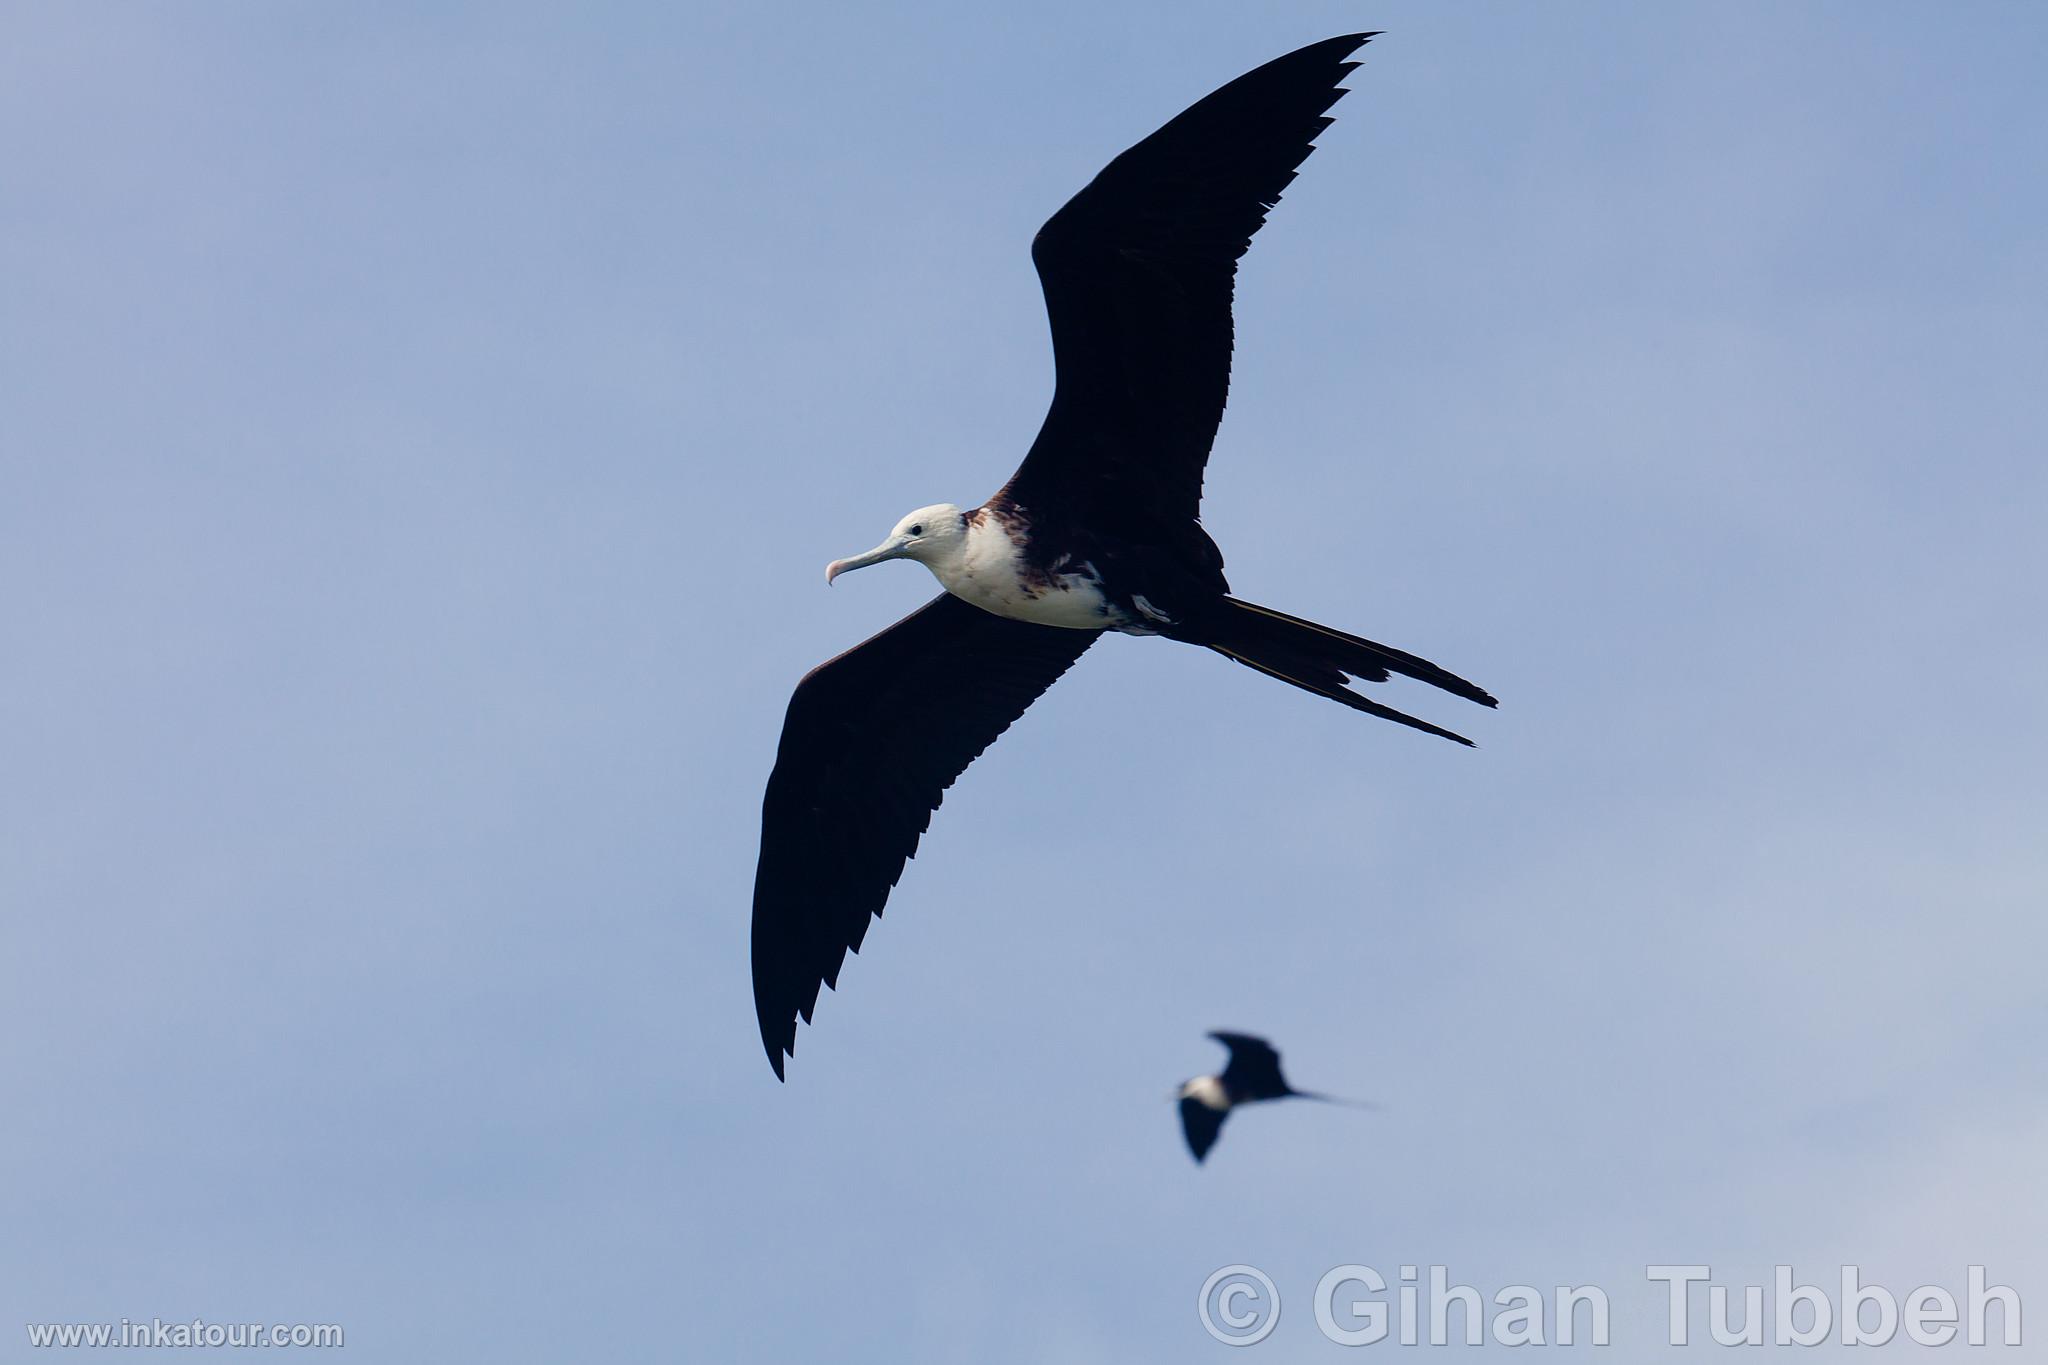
{"x":892,"y":548}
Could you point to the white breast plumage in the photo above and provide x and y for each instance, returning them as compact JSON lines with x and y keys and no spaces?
{"x":991,"y":573}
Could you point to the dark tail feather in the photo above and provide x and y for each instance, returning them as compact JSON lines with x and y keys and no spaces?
{"x":1358,"y":657}
{"x":1330,"y":1099}
{"x":1321,"y":660}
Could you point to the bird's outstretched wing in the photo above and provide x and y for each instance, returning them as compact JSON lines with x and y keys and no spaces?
{"x":1201,"y":1124}
{"x":871,"y":742}
{"x":1254,"y":1069}
{"x":1138,"y":271}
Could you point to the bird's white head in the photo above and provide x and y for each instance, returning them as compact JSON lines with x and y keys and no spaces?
{"x":933,"y":536}
{"x":1208,"y":1090}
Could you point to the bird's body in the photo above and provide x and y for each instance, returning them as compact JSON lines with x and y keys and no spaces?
{"x":997,"y":571}
{"x":1252,"y":1075}
{"x":1098,"y":530}
{"x":995,"y":558}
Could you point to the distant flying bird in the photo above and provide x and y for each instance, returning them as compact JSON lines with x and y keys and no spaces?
{"x":1253,"y":1074}
{"x":1096,"y":531}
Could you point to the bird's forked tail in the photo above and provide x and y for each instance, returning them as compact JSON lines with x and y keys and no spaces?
{"x":1319,"y":659}
{"x":1293,"y":1094}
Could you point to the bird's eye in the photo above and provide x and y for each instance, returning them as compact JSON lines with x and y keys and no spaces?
{"x":918,"y":529}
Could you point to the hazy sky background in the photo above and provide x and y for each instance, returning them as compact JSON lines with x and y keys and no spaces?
{"x":422,"y":430}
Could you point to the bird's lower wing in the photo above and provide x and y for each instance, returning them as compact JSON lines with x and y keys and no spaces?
{"x":870,"y":744}
{"x":1201,"y":1124}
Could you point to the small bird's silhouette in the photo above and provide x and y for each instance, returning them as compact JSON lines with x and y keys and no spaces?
{"x":1253,"y":1073}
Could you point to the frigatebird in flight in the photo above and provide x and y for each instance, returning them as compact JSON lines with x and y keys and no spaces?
{"x":1096,"y":531}
{"x":1252,"y":1074}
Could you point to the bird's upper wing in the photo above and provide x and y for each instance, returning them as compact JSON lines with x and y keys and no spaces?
{"x":1201,"y":1124}
{"x":1254,"y":1067}
{"x":1137,"y":270}
{"x":871,"y":742}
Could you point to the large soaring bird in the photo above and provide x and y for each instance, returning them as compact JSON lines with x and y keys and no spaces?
{"x":1097,"y":531}
{"x":1252,"y":1074}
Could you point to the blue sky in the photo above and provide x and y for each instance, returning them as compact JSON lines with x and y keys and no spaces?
{"x":424,"y":431}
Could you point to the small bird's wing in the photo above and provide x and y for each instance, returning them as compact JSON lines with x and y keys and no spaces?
{"x":1138,"y":271}
{"x":1254,"y":1069}
{"x":871,"y":742}
{"x":1201,"y":1124}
